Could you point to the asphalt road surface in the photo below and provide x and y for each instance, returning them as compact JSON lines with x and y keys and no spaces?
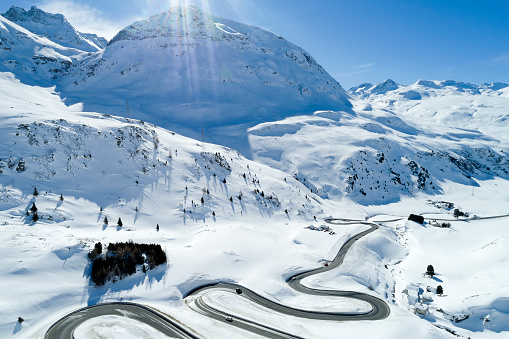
{"x":64,"y":328}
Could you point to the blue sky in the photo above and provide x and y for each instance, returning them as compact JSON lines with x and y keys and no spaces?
{"x":355,"y":41}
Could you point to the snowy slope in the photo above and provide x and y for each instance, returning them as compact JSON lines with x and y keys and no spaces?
{"x":55,"y":27}
{"x":187,"y":69}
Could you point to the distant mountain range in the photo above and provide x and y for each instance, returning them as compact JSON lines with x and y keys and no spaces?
{"x":421,"y":88}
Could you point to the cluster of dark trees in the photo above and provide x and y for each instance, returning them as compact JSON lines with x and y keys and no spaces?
{"x":121,"y":259}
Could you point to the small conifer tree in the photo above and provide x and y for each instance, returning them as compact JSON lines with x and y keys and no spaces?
{"x":33,"y":208}
{"x":35,"y":217}
{"x":430,"y":270}
{"x":36,"y":193}
{"x":119,"y":222}
{"x":61,"y":197}
{"x":157,"y":227}
{"x":106,"y":220}
{"x":440,"y":290}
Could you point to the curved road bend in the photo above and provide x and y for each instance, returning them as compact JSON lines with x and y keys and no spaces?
{"x":379,"y":309}
{"x":65,"y":327}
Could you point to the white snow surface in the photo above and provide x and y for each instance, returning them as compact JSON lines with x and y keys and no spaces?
{"x":115,"y":327}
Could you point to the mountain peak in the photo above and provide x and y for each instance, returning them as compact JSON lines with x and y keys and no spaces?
{"x":34,"y":14}
{"x":219,"y":71}
{"x":54,"y":27}
{"x":177,"y":22}
{"x":384,"y":87}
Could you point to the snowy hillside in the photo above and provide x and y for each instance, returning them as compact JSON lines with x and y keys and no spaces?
{"x":54,"y":27}
{"x":103,"y":159}
{"x":376,"y":157}
{"x":399,"y":141}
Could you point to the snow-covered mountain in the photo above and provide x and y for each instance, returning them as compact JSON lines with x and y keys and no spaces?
{"x":55,"y":27}
{"x":183,"y":69}
{"x":36,"y":58}
{"x":366,"y":89}
{"x":187,"y":69}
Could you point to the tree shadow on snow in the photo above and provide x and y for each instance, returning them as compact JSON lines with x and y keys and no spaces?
{"x":95,"y":294}
{"x":17,"y":328}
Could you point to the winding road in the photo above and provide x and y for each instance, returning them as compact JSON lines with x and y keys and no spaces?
{"x":64,"y":328}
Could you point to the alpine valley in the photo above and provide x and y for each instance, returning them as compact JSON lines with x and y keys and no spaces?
{"x":237,"y":153}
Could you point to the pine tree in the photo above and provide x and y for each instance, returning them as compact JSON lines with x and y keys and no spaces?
{"x":213,"y":213}
{"x":440,"y":290}
{"x":98,"y":248}
{"x":106,"y":220}
{"x":33,"y":208}
{"x":36,"y":193}
{"x":202,"y":200}
{"x":157,"y":227}
{"x":231,"y":199}
{"x":20,"y":320}
{"x":224,"y":181}
{"x":430,"y":270}
{"x":61,"y":197}
{"x":35,"y":217}
{"x":119,"y":222}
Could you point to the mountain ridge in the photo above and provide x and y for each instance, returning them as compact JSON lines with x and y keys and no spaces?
{"x":54,"y":27}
